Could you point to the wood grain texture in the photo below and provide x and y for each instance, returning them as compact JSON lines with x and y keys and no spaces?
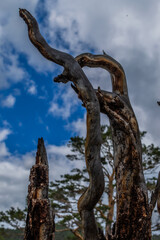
{"x":39,"y":222}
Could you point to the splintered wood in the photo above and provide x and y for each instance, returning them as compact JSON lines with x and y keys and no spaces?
{"x":39,"y":222}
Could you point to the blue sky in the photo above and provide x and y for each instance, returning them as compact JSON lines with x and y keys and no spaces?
{"x":32,"y":105}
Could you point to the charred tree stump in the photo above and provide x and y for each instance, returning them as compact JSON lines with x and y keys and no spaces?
{"x":39,"y":223}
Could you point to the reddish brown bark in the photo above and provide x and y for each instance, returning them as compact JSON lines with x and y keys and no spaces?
{"x":39,"y":223}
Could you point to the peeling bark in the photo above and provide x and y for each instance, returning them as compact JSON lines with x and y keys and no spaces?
{"x":39,"y":223}
{"x":74,"y":73}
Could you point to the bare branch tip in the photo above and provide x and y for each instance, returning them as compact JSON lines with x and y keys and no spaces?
{"x":23,"y":14}
{"x":22,"y":11}
{"x":26,"y":15}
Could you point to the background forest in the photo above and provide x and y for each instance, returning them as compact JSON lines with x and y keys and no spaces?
{"x":65,"y":192}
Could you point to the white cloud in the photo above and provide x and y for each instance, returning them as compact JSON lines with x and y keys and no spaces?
{"x":12,"y":169}
{"x":31,"y":87}
{"x":3,"y":150}
{"x":28,"y":159}
{"x":13,"y":180}
{"x":10,"y":72}
{"x":78,"y":126}
{"x":9,"y":101}
{"x":104,"y":25}
{"x":14,"y":40}
{"x":15,"y":32}
{"x":32,"y":90}
{"x":58,"y":163}
{"x":4,"y":134}
{"x":64,"y":103}
{"x":58,"y":150}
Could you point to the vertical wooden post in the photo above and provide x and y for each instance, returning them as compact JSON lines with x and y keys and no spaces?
{"x":39,"y":223}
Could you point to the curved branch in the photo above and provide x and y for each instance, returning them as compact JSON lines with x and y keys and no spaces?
{"x":74,"y":72}
{"x":118,"y":77}
{"x":76,"y":233}
{"x":39,"y":42}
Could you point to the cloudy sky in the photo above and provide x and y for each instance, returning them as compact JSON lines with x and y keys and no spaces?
{"x":32,"y":105}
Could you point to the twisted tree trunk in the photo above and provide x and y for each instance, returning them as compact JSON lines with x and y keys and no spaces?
{"x":74,"y":72}
{"x":133,"y":209}
{"x":40,"y":222}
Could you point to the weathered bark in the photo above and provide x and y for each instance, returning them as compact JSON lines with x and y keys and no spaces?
{"x":39,"y":223}
{"x":74,"y":73}
{"x":111,"y":203}
{"x":133,"y":209}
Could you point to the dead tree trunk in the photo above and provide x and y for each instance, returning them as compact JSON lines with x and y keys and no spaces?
{"x":39,"y":223}
{"x":133,"y":209}
{"x":74,"y":72}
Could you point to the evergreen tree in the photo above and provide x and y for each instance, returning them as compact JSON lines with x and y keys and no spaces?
{"x":64,"y":193}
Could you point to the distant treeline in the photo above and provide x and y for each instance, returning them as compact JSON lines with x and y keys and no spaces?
{"x":8,"y":234}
